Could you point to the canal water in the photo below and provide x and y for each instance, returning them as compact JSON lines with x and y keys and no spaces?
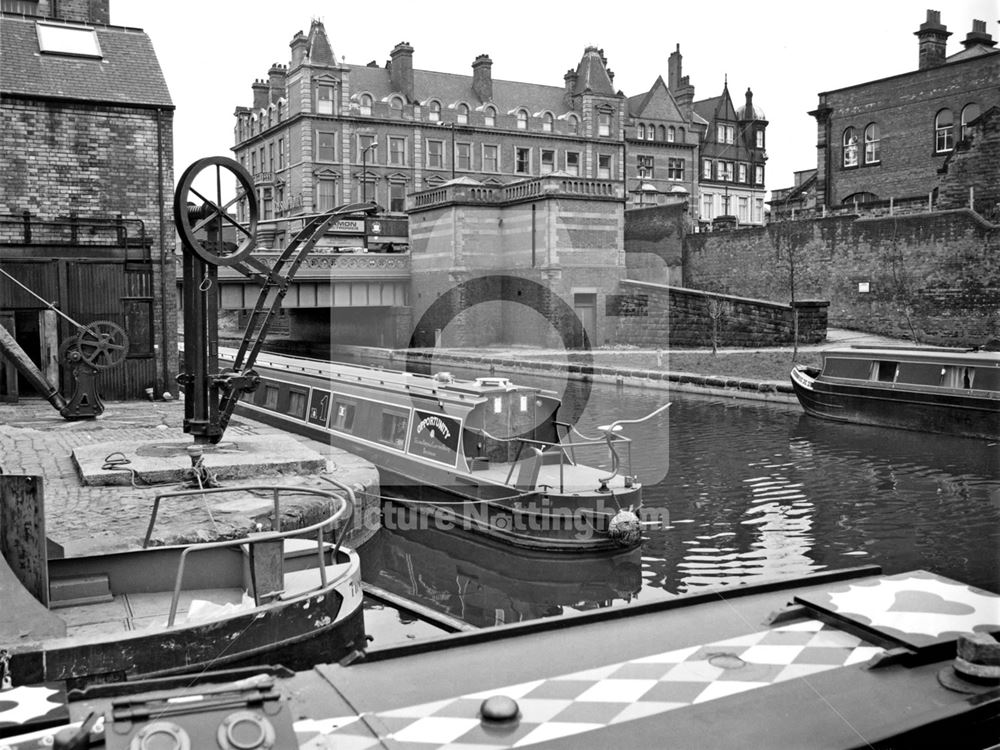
{"x":748,"y":490}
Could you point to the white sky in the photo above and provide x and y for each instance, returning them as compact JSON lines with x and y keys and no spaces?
{"x":786,"y":51}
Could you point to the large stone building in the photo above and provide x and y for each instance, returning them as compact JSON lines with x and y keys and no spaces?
{"x":86,"y":159}
{"x":891,"y":138}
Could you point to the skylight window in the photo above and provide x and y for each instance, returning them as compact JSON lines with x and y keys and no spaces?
{"x":56,"y":39}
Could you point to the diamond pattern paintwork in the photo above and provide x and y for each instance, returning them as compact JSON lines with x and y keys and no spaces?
{"x":570,"y":704}
{"x":919,"y":609}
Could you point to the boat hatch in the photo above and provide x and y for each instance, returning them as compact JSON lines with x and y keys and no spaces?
{"x":495,"y":383}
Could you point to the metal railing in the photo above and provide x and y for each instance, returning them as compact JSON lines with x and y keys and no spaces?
{"x":91,"y":231}
{"x":343,"y":508}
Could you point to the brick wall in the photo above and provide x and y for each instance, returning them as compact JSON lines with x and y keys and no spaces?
{"x":932,"y":277}
{"x":658,"y":316}
{"x":59,"y":158}
{"x":654,"y":242}
{"x":975,"y":164}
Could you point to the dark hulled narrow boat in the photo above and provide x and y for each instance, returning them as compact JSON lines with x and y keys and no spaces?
{"x":931,"y":389}
{"x":484,"y":455}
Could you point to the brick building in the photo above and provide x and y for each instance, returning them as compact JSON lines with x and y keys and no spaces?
{"x":87,"y":164}
{"x":891,"y":138}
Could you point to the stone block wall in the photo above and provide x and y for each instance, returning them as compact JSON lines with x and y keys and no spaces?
{"x":658,"y":316}
{"x":975,"y":164}
{"x":932,"y":277}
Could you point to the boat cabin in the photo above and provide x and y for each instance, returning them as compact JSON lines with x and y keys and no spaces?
{"x":944,"y":368}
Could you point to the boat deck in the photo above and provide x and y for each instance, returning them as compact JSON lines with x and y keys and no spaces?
{"x":572,"y":478}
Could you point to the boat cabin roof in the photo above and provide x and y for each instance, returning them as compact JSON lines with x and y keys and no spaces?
{"x":928,"y":354}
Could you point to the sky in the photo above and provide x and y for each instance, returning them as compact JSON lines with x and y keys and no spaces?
{"x":787,"y":52}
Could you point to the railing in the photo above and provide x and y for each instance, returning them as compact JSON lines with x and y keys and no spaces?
{"x":92,"y":231}
{"x":915,"y":204}
{"x":343,"y":508}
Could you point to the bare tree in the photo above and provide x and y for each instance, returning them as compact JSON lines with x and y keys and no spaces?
{"x":718,"y":309}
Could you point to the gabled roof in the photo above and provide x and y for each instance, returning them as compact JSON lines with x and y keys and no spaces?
{"x":127,"y":73}
{"x":977,"y":50}
{"x":717,"y":108}
{"x":592,"y":75}
{"x":656,"y":104}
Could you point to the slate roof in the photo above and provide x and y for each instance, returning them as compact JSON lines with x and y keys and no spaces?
{"x":128,"y":74}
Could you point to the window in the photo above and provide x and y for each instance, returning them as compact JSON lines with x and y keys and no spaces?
{"x":850,"y":148}
{"x":397,"y":151}
{"x":573,"y":163}
{"x":680,"y":135}
{"x":435,"y":154}
{"x":434,"y":111}
{"x":268,"y":202}
{"x":944,"y":131}
{"x":548,"y":161}
{"x":397,"y":196}
{"x":604,"y":124}
{"x":871,"y":144}
{"x":270,"y":157}
{"x":574,"y":124}
{"x":393,"y":429}
{"x":462,"y":114}
{"x":651,"y":133}
{"x":969,"y":113}
{"x":342,"y":415}
{"x":326,"y":147}
{"x":365,"y":105}
{"x":645,"y":166}
{"x":396,"y":104}
{"x":725,"y":133}
{"x":671,"y":134}
{"x":325,"y":99}
{"x":675,"y":169}
{"x":759,"y":138}
{"x":67,"y":40}
{"x":758,"y":210}
{"x":547,"y":122}
{"x":706,"y":169}
{"x":641,"y":132}
{"x":604,"y":166}
{"x":743,"y":172}
{"x":522,"y":160}
{"x":758,"y":175}
{"x":522,"y":120}
{"x":253,"y":162}
{"x":726,"y":171}
{"x":366,"y":140}
{"x":744,"y":208}
{"x":297,"y":404}
{"x":326,"y":195}
{"x":490,"y":117}
{"x":281,"y":153}
{"x":463,"y":156}
{"x":491,"y":158}
{"x":707,"y":199}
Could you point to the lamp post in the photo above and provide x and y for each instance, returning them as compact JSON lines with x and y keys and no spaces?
{"x":364,"y":169}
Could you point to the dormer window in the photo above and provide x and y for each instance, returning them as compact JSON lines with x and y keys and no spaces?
{"x":522,"y":119}
{"x":434,"y":111}
{"x":365,"y":105}
{"x":547,"y":122}
{"x":490,"y":117}
{"x":396,"y":104}
{"x":462,"y":114}
{"x":574,"y":124}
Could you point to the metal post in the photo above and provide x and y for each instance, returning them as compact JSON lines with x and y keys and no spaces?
{"x":364,"y":170}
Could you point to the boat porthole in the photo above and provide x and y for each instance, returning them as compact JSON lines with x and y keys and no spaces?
{"x":245,"y":730}
{"x":161,"y":735}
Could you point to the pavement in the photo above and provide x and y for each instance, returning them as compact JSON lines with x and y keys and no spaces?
{"x":89,"y":518}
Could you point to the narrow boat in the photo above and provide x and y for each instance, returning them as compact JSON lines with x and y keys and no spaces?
{"x":483,"y":455}
{"x":838,"y":659}
{"x":183,"y":608}
{"x":948,"y":391}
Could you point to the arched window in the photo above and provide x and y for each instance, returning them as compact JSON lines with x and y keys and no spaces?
{"x":396,"y":104}
{"x":642,"y":132}
{"x":462,"y":114}
{"x":522,"y":119}
{"x":663,"y":133}
{"x":944,"y":131}
{"x":490,"y":114}
{"x":872,"y":155}
{"x":574,"y":124}
{"x":547,"y":122}
{"x":680,"y":135}
{"x":671,"y":134}
{"x":365,"y":104}
{"x":850,"y":144}
{"x":434,"y":111}
{"x":969,"y":113}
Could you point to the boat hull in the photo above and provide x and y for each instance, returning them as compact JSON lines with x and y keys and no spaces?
{"x":886,"y":405}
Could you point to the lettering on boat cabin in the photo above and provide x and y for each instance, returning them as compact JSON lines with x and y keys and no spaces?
{"x":435,"y":436}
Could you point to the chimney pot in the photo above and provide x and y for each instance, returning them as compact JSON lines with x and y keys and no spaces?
{"x":978,"y":36}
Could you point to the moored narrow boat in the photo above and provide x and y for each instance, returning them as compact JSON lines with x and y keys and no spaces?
{"x":484,"y":455}
{"x":931,"y":389}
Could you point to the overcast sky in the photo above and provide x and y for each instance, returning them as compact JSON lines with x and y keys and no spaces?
{"x":211,"y":51}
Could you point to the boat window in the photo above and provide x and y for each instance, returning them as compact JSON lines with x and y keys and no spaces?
{"x":393,"y":429}
{"x":884,"y":372}
{"x":524,"y":404}
{"x":270,"y":399}
{"x":957,"y":376}
{"x":987,"y":379}
{"x":840,"y":367}
{"x":497,"y":405}
{"x":919,"y":373}
{"x":343,"y":415}
{"x":297,"y":404}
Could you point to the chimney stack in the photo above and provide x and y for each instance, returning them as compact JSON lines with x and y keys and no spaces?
{"x":276,"y":82}
{"x":482,"y":78}
{"x":298,"y":44}
{"x":933,"y":37}
{"x":978,"y":36}
{"x":260,"y":94}
{"x":748,"y":112}
{"x":401,"y":70}
{"x":570,"y":79}
{"x":680,"y":86}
